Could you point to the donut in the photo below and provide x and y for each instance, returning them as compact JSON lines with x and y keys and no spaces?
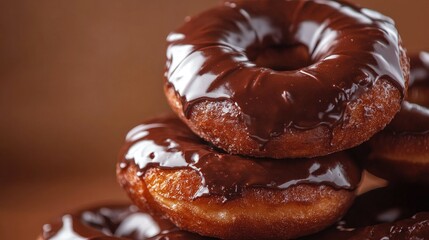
{"x":113,"y":221}
{"x":394,"y":212}
{"x":270,"y":78}
{"x":401,"y":151}
{"x":166,"y":168}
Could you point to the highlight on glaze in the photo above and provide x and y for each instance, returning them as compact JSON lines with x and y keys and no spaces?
{"x":168,"y":143}
{"x":285,"y":64}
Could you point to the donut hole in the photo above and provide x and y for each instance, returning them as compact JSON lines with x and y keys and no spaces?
{"x":280,"y":57}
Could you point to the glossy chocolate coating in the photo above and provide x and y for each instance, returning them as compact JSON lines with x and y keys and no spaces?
{"x":285,"y":64}
{"x":394,"y":213}
{"x":118,"y":221}
{"x":414,"y":115}
{"x":168,"y":143}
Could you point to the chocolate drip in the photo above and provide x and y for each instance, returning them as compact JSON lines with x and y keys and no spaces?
{"x":114,"y":222}
{"x":394,"y":212}
{"x":168,"y":143}
{"x":285,"y":64}
{"x":414,"y":115}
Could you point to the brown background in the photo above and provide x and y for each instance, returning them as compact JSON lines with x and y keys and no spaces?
{"x":74,"y":77}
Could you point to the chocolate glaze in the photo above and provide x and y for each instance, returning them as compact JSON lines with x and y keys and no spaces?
{"x":168,"y":143}
{"x":284,"y":64}
{"x":414,"y":115}
{"x":119,"y":221}
{"x":394,"y":213}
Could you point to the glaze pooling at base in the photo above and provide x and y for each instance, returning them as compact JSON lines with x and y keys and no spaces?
{"x":168,"y":143}
{"x":284,"y":64}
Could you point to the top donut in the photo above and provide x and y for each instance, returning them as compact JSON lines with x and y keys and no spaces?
{"x":286,"y":78}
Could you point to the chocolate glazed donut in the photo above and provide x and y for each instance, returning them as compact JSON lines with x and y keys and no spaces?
{"x":393,"y":212}
{"x":168,"y":169}
{"x":401,"y":151}
{"x":270,"y":78}
{"x":114,"y":221}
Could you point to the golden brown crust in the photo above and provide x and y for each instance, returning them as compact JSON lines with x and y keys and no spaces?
{"x":225,"y":129}
{"x":258,"y":214}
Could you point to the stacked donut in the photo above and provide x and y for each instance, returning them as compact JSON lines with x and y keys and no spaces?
{"x":268,"y":95}
{"x":400,"y":154}
{"x":403,"y":146}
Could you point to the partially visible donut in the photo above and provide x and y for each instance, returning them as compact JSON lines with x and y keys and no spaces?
{"x":114,"y":221}
{"x":393,"y":212}
{"x":401,"y":151}
{"x":168,"y":169}
{"x":271,"y":78}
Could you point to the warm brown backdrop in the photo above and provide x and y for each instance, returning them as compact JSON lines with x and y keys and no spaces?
{"x":75,"y":76}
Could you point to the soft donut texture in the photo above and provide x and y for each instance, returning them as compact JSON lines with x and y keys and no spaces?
{"x":231,"y":79}
{"x":401,"y":151}
{"x":225,"y":129}
{"x":259,"y":214}
{"x":166,"y":168}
